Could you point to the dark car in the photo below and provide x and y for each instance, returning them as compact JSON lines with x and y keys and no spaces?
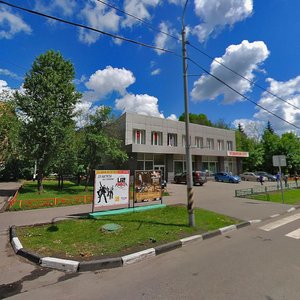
{"x":199,"y":178}
{"x":265,"y":174}
{"x":227,"y":177}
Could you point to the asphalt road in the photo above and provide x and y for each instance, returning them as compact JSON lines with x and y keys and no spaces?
{"x":249,"y":263}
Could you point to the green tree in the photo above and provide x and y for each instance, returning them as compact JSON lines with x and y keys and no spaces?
{"x":9,"y":130}
{"x":100,"y":146}
{"x":221,"y":123}
{"x":200,"y":119}
{"x":270,"y":142}
{"x":46,"y":106}
{"x":290,"y":147}
{"x":255,"y":149}
{"x":65,"y":162}
{"x":269,"y":127}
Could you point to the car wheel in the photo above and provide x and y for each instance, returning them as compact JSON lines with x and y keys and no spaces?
{"x":230,"y":181}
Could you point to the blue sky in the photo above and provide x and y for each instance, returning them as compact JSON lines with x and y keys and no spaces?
{"x":258,"y":39}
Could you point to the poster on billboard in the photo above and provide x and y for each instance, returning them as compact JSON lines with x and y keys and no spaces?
{"x":147,"y":186}
{"x":111,"y":189}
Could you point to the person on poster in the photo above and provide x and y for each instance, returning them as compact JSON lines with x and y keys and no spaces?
{"x":102,"y":192}
{"x":110,"y":193}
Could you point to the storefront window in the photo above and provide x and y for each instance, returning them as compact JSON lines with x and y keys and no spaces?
{"x":148,"y":165}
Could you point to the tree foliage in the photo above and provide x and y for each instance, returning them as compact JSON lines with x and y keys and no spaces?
{"x":46,"y":106}
{"x":100,"y":145}
{"x":200,"y":119}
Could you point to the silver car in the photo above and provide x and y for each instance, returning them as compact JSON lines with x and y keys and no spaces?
{"x":250,"y":176}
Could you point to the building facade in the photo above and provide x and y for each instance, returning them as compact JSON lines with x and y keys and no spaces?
{"x":159,"y":144}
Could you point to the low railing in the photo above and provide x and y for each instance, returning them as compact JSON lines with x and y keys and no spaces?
{"x":16,"y":204}
{"x":263,"y":189}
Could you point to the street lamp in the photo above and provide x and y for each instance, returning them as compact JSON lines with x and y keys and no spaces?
{"x":190,"y":201}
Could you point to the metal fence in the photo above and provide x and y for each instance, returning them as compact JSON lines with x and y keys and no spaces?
{"x":263,"y":189}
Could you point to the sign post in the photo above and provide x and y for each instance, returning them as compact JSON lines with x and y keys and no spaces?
{"x":280,"y":161}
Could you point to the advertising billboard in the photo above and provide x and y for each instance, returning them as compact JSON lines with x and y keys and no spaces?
{"x":111,"y":189}
{"x":147,"y":186}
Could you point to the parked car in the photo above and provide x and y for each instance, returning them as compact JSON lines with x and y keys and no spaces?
{"x":199,"y":178}
{"x":227,"y":177}
{"x":269,"y":176}
{"x":250,"y":176}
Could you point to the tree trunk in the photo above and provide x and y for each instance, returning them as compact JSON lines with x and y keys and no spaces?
{"x":59,"y":184}
{"x":40,"y":181}
{"x":88,"y":176}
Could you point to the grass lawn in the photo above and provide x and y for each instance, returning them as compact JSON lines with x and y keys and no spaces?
{"x":84,"y":239}
{"x":290,"y":197}
{"x":29,"y":190}
{"x":71,"y":194}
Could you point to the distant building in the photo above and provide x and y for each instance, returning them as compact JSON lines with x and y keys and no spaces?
{"x":159,"y":144}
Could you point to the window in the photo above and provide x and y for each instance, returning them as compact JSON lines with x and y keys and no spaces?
{"x":172,"y":139}
{"x":210,"y":143}
{"x":198,"y":142}
{"x":229,"y":145}
{"x":220,"y":145}
{"x":156,"y":138}
{"x":139,"y":136}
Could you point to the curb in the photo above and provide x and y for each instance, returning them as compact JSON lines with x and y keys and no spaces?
{"x":71,"y":266}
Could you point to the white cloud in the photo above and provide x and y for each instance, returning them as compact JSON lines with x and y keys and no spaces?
{"x":104,"y":82}
{"x":82,"y":79}
{"x":288,"y":91}
{"x":140,"y":104}
{"x":253,"y":128}
{"x":97,"y":16}
{"x":163,"y":40}
{"x":83,"y":110}
{"x":172,"y":117}
{"x":8,"y":73}
{"x":12,"y":24}
{"x":3,"y":86}
{"x":66,"y":7}
{"x":177,"y":2}
{"x":244,"y":59}
{"x":138,"y":8}
{"x":216,"y":14}
{"x":156,"y":72}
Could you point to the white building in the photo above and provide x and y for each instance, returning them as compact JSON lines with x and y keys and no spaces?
{"x":156,"y":143}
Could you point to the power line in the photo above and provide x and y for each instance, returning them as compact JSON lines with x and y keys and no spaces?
{"x":148,"y":24}
{"x":245,"y":78}
{"x":242,"y":95}
{"x":202,"y":52}
{"x":90,"y":28}
{"x":147,"y":46}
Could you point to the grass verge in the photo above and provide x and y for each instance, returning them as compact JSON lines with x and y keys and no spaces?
{"x":291,"y":197}
{"x":84,"y":239}
{"x":51,"y":190}
{"x":72,"y":194}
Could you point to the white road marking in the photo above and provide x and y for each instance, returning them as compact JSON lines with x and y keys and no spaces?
{"x":294,"y":234}
{"x":281,"y":222}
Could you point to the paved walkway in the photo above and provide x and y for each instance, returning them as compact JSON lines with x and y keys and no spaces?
{"x":214,"y":196}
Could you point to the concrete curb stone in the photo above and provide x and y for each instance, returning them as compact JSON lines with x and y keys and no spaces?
{"x":167,"y":247}
{"x":76,"y":266}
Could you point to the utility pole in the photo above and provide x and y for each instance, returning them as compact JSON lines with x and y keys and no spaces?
{"x":190,"y":201}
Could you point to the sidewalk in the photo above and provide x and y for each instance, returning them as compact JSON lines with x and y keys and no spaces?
{"x":214,"y":196}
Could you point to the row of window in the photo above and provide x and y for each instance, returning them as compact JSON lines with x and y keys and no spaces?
{"x":139,"y":137}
